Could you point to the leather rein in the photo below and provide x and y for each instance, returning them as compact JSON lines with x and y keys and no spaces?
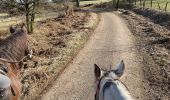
{"x":4,"y":69}
{"x":9,"y":61}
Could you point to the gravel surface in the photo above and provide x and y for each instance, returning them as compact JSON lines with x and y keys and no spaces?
{"x":111,"y":42}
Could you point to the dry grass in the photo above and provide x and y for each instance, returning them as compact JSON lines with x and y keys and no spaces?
{"x":154,"y":39}
{"x":5,"y":23}
{"x":55,"y":42}
{"x":3,"y":14}
{"x":93,"y":2}
{"x":155,"y":4}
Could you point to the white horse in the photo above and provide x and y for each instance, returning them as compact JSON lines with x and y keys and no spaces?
{"x":109,"y":87}
{"x":5,"y":82}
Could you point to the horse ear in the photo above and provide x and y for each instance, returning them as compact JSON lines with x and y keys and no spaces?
{"x":97,"y":71}
{"x":23,"y":27}
{"x":12,"y":29}
{"x":120,"y":69}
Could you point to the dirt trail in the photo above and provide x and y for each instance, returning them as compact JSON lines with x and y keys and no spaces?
{"x":111,"y":42}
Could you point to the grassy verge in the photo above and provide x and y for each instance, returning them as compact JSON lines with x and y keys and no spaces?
{"x":153,"y":44}
{"x":55,"y":42}
{"x":3,"y":14}
{"x":162,"y":4}
{"x":5,"y":23}
{"x":85,"y":2}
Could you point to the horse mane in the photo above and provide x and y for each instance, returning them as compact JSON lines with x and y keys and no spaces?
{"x":14,"y":46}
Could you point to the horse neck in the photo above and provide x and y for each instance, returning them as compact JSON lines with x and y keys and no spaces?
{"x":116,"y":91}
{"x":15,"y":82}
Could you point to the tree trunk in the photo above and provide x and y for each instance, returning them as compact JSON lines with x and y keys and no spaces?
{"x":27,"y":16}
{"x":30,"y":14}
{"x":166,"y":7}
{"x":151,"y":3}
{"x":144,"y":2}
{"x":114,"y":2}
{"x":27,"y":22}
{"x":140,"y":3}
{"x":159,"y":6}
{"x":77,"y":3}
{"x":117,"y":4}
{"x":32,"y":23}
{"x":32,"y":17}
{"x":130,"y":3}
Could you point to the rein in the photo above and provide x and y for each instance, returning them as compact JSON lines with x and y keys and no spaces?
{"x":9,"y":61}
{"x":4,"y":69}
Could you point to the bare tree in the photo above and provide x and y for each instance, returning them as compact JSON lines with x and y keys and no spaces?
{"x":77,"y":3}
{"x":166,"y":6}
{"x":140,"y":2}
{"x":117,"y":4}
{"x":29,"y":6}
{"x":144,"y":3}
{"x":114,"y":2}
{"x":159,"y":6}
{"x":151,"y":3}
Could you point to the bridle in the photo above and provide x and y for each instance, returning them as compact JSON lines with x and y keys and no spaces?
{"x":9,"y":61}
{"x":4,"y":69}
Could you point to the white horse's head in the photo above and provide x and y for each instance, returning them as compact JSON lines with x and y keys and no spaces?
{"x":109,"y":87}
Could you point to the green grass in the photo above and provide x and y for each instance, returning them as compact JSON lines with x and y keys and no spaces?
{"x":162,"y":4}
{"x":5,"y":23}
{"x":85,"y":2}
{"x":3,"y":14}
{"x":75,"y":42}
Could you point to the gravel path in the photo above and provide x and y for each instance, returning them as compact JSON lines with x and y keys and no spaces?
{"x":111,"y":42}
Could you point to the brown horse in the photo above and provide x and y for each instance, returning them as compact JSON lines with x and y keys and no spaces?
{"x":9,"y":76}
{"x":13,"y":50}
{"x":15,"y":46}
